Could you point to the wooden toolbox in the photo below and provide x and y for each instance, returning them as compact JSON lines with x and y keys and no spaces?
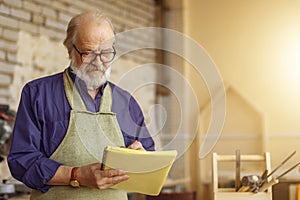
{"x":230,"y":193}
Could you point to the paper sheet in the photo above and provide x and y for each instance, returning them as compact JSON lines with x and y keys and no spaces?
{"x":147,"y":169}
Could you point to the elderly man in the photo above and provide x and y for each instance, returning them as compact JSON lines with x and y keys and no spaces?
{"x":64,"y":121}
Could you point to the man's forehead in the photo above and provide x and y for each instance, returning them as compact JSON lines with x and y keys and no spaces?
{"x":106,"y":43}
{"x":95,"y":34}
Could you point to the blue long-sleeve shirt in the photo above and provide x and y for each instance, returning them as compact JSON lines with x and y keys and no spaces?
{"x":42,"y":121}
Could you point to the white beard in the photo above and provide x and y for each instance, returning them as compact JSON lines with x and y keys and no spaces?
{"x":92,"y":79}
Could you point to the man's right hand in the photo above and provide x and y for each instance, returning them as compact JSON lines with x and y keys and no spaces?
{"x":89,"y":176}
{"x":92,"y":176}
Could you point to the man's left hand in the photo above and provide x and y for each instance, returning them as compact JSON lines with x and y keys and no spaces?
{"x":136,"y":145}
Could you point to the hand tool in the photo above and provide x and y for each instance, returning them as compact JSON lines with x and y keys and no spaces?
{"x":274,"y":181}
{"x":253,"y":183}
{"x":264,"y":177}
{"x":244,"y":189}
{"x":282,"y":163}
{"x":287,"y":171}
{"x":238,"y":170}
{"x":266,"y":185}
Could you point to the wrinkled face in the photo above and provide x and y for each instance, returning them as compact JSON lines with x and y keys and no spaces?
{"x":93,"y":53}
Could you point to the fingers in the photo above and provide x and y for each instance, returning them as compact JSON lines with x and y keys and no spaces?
{"x":136,"y":145}
{"x":92,"y":176}
{"x":113,"y":172}
{"x":112,"y":177}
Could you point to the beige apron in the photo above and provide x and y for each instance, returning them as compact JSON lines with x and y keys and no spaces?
{"x":87,"y":135}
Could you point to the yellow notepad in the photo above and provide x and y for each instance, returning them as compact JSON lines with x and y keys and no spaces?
{"x":147,"y":169}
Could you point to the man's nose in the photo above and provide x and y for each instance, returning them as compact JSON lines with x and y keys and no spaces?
{"x":97,"y":59}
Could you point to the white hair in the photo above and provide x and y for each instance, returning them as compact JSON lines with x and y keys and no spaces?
{"x":95,"y":16}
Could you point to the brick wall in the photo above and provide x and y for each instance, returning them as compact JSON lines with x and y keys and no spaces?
{"x":32,"y":31}
{"x":31,"y":35}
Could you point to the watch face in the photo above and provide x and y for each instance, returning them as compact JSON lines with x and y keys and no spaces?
{"x":74,"y":183}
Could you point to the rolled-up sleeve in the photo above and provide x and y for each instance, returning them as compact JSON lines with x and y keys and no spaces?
{"x":27,"y":160}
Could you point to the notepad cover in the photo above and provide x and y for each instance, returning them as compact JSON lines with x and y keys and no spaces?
{"x":147,"y":169}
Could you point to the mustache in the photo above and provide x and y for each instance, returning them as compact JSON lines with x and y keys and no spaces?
{"x":91,"y":66}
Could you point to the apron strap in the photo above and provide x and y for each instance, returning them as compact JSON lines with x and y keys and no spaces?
{"x":106,"y":100}
{"x":72,"y":93}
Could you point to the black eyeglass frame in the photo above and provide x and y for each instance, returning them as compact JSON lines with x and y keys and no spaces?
{"x":96,"y":54}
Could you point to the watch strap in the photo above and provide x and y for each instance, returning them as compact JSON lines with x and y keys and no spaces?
{"x":74,"y":173}
{"x":73,"y":181}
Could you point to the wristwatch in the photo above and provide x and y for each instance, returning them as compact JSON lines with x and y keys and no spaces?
{"x":73,"y":181}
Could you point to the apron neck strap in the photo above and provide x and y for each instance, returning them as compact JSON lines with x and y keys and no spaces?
{"x":106,"y":100}
{"x":72,"y":93}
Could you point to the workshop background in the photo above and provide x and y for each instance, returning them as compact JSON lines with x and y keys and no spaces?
{"x":254,"y":43}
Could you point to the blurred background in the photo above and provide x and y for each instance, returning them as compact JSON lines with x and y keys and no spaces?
{"x":255,"y":45}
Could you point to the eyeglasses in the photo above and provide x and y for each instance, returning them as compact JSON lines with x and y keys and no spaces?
{"x":105,"y":57}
